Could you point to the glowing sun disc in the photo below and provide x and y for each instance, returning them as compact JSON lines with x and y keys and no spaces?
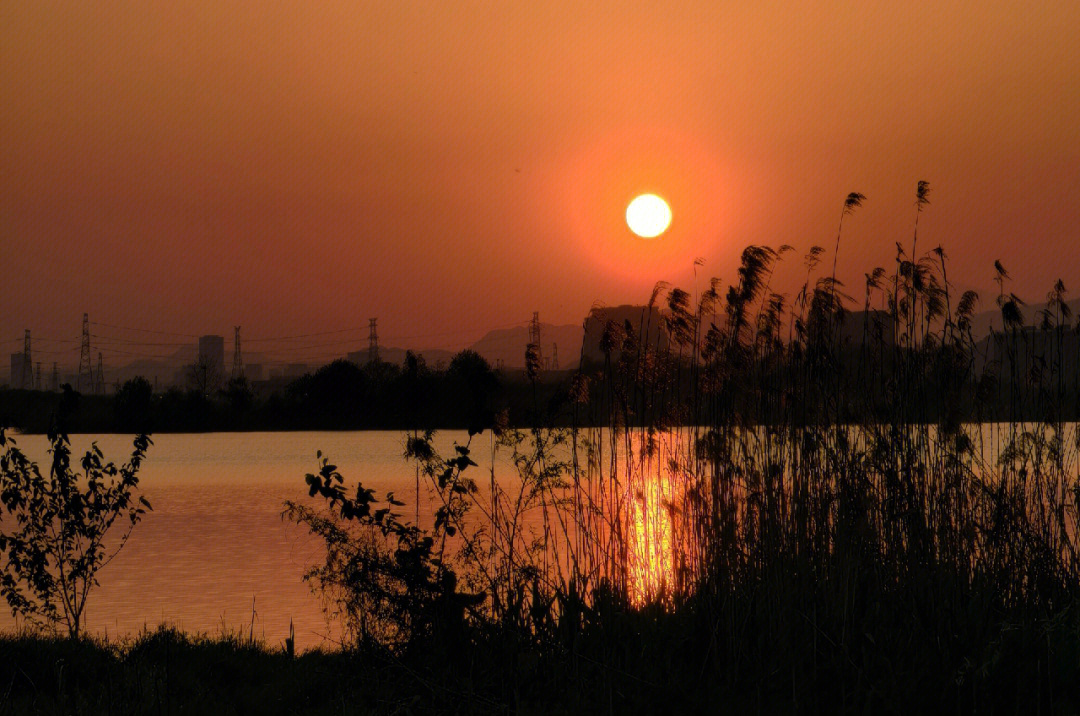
{"x":648,"y":216}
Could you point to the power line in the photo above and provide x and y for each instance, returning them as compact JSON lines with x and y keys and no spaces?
{"x":139,"y":355}
{"x":303,"y":335}
{"x":39,"y":339}
{"x":290,"y":348}
{"x":297,"y":336}
{"x":143,"y":330}
{"x":111,"y":340}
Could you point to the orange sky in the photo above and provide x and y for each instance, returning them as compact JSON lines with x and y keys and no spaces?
{"x":452,"y":167}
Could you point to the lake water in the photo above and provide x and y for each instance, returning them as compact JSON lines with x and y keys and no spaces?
{"x":214,"y":554}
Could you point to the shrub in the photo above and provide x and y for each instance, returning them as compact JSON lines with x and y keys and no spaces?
{"x":54,"y":527}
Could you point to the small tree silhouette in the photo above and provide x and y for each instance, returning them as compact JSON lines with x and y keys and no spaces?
{"x":204,"y":375}
{"x":54,"y":526}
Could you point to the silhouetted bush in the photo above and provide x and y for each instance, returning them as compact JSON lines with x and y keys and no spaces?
{"x":54,"y":527}
{"x":134,"y":402}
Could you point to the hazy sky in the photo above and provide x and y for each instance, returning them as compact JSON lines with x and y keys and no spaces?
{"x":451,"y":167}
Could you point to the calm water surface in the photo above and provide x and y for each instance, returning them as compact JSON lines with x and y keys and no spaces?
{"x":215,"y":555}
{"x":215,"y":543}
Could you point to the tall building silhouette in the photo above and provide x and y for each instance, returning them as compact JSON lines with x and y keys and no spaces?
{"x":212,"y":351}
{"x":16,"y":370}
{"x":210,"y":365}
{"x":26,"y":381}
{"x":99,"y":379}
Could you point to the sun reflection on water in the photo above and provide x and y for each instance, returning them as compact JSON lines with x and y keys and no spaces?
{"x":654,"y":533}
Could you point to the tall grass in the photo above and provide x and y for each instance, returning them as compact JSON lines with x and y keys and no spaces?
{"x":774,"y":505}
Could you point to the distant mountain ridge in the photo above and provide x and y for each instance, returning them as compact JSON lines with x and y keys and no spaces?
{"x":983,"y":321}
{"x":505,"y":347}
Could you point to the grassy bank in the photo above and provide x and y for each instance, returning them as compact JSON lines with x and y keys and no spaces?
{"x":639,"y":662}
{"x":168,"y":672}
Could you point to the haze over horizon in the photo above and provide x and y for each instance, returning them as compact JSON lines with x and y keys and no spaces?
{"x":297,"y":169}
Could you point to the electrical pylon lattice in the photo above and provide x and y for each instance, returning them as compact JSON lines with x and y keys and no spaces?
{"x":373,"y":341}
{"x":237,"y":357}
{"x":534,"y":336}
{"x":26,"y":376}
{"x":85,"y":380}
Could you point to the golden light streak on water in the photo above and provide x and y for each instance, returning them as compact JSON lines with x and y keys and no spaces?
{"x":651,"y":542}
{"x":652,"y":528}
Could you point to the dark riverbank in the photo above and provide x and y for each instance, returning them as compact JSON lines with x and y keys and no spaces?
{"x":641,"y":663}
{"x":472,"y":395}
{"x":339,"y":396}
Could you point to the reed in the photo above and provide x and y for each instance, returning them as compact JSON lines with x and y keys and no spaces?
{"x":766,"y":504}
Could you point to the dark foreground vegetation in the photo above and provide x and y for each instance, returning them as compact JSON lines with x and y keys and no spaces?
{"x":641,"y":662}
{"x":739,"y":518}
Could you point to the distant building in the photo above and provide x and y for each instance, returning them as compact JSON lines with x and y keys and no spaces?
{"x":17,"y":367}
{"x":296,"y":370}
{"x":254,"y":371}
{"x":208,"y":373}
{"x":212,"y":352}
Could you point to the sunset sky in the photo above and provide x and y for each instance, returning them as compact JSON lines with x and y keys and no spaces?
{"x":452,"y":167}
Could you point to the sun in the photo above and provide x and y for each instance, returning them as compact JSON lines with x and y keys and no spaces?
{"x":648,"y":216}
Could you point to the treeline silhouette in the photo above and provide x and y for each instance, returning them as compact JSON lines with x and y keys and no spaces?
{"x":342,"y":395}
{"x":1006,"y":375}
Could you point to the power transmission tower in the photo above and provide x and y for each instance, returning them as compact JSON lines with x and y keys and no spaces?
{"x":99,"y":382}
{"x":554,"y":356}
{"x":37,"y":376}
{"x":534,"y":336}
{"x":373,"y":341}
{"x":55,"y":378}
{"x":26,"y":377}
{"x":237,"y":358}
{"x":85,"y":380}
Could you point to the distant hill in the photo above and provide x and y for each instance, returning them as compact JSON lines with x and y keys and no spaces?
{"x":506,"y":346}
{"x":162,"y":372}
{"x":982,"y":322}
{"x":432,"y":356}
